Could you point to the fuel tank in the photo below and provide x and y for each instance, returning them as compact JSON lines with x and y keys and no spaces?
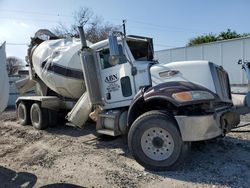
{"x":57,"y":63}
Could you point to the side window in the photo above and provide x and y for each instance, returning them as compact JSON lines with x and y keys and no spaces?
{"x":122,"y":58}
{"x":105,"y":55}
{"x":126,"y":86}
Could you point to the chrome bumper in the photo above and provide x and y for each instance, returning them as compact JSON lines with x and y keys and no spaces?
{"x":197,"y":128}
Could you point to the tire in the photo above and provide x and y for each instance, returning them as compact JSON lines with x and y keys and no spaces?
{"x":39,"y":117}
{"x":155,"y":142}
{"x":53,"y":118}
{"x":23,"y":113}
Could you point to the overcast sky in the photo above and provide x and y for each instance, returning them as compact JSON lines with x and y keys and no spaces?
{"x":170,"y":22}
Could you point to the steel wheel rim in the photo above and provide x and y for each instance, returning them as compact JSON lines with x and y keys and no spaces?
{"x":157,"y":143}
{"x":35,"y":116}
{"x":21,"y":113}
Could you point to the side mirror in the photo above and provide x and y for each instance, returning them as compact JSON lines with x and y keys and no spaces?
{"x":114,"y":49}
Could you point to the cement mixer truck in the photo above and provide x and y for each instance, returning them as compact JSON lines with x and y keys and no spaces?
{"x":162,"y":108}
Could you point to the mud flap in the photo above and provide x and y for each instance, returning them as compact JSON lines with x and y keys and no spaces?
{"x":80,"y":112}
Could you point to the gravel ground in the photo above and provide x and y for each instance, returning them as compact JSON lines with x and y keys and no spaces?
{"x":65,"y":156}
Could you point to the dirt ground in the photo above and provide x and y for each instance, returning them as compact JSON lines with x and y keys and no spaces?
{"x":65,"y":156}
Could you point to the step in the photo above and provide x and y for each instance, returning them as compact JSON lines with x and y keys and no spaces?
{"x":111,"y":116}
{"x":108,"y":132}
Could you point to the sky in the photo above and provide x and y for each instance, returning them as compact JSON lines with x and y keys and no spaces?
{"x":171,"y":23}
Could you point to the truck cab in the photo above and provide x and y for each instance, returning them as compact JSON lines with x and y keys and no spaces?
{"x":121,"y":81}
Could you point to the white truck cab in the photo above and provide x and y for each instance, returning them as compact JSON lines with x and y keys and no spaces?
{"x":120,"y":82}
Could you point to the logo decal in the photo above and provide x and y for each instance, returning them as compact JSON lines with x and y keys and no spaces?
{"x":111,"y":78}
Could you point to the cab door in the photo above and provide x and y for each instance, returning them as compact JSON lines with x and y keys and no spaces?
{"x":117,"y":81}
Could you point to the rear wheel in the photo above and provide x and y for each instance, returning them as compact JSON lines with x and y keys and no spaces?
{"x":39,"y":117}
{"x":53,"y":118}
{"x":155,"y":142}
{"x":23,"y":114}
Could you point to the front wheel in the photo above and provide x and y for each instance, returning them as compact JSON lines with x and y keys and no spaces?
{"x":155,"y":142}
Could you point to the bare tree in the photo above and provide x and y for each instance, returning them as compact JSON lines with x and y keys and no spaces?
{"x":61,"y":30}
{"x":13,"y":65}
{"x":82,"y":17}
{"x":95,"y":28}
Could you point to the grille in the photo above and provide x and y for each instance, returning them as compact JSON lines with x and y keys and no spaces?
{"x":221,"y":82}
{"x":224,"y":83}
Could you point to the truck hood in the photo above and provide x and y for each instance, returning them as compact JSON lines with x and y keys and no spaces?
{"x":197,"y":72}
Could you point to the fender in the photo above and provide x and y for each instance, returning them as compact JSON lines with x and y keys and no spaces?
{"x":163,"y":92}
{"x":167,"y":89}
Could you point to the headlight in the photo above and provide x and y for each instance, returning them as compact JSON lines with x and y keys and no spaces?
{"x":192,"y":96}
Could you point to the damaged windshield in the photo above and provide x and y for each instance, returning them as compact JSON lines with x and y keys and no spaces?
{"x":141,"y":48}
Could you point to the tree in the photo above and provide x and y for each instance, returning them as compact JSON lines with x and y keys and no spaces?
{"x":95,"y":28}
{"x":224,"y":35}
{"x":202,"y":39}
{"x":13,"y":65}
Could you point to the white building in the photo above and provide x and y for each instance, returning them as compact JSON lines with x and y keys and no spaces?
{"x":225,"y":53}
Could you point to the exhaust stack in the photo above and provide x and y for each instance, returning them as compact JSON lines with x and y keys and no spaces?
{"x":82,"y":37}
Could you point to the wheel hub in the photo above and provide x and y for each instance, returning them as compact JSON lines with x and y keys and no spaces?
{"x":157,"y":143}
{"x":35,"y":116}
{"x":20,"y":113}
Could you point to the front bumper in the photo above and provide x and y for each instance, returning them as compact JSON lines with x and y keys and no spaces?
{"x":204,"y":127}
